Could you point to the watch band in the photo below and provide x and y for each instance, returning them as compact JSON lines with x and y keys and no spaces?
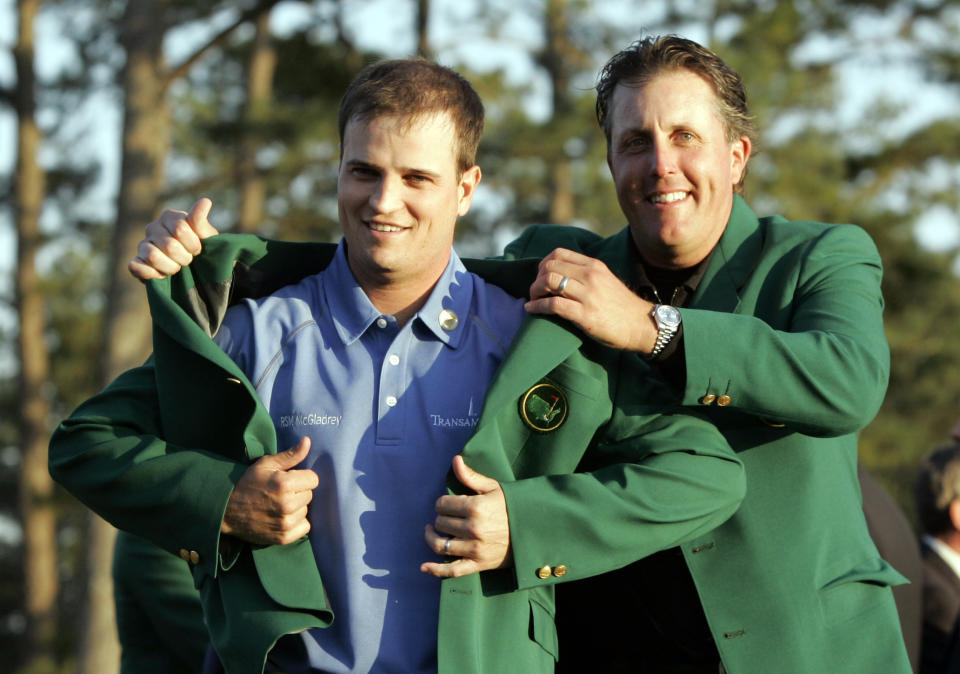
{"x":665,"y":331}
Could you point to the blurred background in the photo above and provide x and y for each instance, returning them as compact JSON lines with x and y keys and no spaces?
{"x":111,"y":111}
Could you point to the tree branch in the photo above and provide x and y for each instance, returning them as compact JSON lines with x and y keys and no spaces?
{"x":180,"y":70}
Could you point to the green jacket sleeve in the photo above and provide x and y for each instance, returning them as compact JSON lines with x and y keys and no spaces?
{"x":652,"y":482}
{"x":110,"y":454}
{"x":805,"y":346}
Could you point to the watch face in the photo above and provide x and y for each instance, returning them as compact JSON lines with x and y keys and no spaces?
{"x":668,"y":314}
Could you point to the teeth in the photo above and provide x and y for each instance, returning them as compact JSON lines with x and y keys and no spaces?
{"x":668,"y":197}
{"x":384,"y":228}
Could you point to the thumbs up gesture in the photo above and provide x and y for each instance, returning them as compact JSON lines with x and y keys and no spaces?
{"x":172,"y":241}
{"x":269,"y":503}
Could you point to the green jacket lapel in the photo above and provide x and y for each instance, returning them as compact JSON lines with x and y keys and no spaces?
{"x":733,"y":259}
{"x":539,"y":346}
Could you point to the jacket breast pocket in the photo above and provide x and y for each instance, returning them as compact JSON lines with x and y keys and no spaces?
{"x":860,"y":590}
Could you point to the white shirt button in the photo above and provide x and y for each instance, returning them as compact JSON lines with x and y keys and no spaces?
{"x":394,"y":359}
{"x":391,"y":401}
{"x":381,"y":322}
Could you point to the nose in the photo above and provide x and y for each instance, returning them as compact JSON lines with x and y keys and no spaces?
{"x":663,"y":158}
{"x":386,"y":196}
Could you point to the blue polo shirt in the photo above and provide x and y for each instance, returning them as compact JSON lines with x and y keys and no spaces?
{"x":386,"y":409}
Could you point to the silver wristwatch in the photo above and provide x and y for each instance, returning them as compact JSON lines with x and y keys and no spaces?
{"x":667,"y":319}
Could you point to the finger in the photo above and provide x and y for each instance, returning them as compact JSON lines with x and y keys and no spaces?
{"x":470,"y":478}
{"x":448,"y":526}
{"x":142,"y":271}
{"x":151,"y":263}
{"x":288,"y":459}
{"x":453,"y":506}
{"x":550,"y":277}
{"x":565,"y":256}
{"x":455,"y":569}
{"x":166,"y":256}
{"x":197,"y":218}
{"x":297,"y":528}
{"x":293,"y":504}
{"x":174,"y":234}
{"x":562,"y":284}
{"x":554,"y":305}
{"x":438,"y":542}
{"x":304,"y":481}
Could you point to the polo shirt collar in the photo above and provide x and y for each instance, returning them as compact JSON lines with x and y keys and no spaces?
{"x":352,"y":313}
{"x":452,"y":294}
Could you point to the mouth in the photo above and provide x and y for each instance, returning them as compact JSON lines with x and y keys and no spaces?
{"x":667,"y":197}
{"x":383,"y":227}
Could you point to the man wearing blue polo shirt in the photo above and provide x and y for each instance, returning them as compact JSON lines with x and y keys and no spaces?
{"x":379,"y":361}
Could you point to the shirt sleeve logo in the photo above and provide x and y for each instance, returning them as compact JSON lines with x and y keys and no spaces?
{"x":544,"y":407}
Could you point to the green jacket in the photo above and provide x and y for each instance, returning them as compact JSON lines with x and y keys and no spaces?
{"x":785,"y":351}
{"x":159,"y":450}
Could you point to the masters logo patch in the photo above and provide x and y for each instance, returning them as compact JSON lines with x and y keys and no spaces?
{"x":544,"y":407}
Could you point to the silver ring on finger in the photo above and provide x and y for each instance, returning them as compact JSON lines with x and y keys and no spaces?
{"x":446,"y":546}
{"x":563,"y":285}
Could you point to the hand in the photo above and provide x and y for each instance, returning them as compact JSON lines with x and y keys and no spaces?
{"x":476,"y":526}
{"x":594,"y":300}
{"x":269,"y":503}
{"x":172,"y":241}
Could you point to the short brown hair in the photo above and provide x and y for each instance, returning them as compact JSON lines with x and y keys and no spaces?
{"x":937,"y":484}
{"x":644,"y":59}
{"x":412,"y":87}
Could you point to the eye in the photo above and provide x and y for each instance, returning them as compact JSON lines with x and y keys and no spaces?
{"x":685,"y":137}
{"x":363,"y":172}
{"x":417,"y":179}
{"x":637,"y":143}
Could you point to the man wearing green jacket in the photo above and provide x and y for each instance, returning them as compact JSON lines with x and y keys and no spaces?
{"x":377,"y":362}
{"x":771,"y":327}
{"x":778,"y":337}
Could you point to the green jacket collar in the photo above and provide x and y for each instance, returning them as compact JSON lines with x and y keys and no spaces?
{"x":733,"y":259}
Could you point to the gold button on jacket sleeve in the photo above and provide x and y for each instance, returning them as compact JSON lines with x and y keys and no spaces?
{"x":708,"y":399}
{"x":544,"y":571}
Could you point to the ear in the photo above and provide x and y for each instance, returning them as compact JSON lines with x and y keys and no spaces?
{"x":955,"y":513}
{"x":467,"y":188}
{"x":739,"y":156}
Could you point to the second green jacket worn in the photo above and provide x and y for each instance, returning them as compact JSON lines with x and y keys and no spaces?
{"x":785,"y":351}
{"x":159,"y":451}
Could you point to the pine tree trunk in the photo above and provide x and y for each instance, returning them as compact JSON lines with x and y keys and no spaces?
{"x":127,"y":333}
{"x":40,"y":583}
{"x":260,"y":70}
{"x":423,"y":29}
{"x":557,"y":57}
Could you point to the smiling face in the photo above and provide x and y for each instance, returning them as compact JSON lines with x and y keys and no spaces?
{"x":399,"y":195}
{"x":673,"y":166}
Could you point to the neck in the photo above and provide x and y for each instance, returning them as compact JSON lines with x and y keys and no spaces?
{"x":951,"y":539}
{"x":671,"y":259}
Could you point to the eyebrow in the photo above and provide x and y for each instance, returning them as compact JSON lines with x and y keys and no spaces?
{"x":359,"y":163}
